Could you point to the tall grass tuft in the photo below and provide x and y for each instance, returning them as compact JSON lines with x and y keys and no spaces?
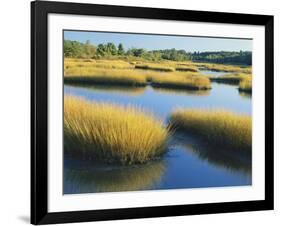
{"x":220,"y":128}
{"x":112,"y":133}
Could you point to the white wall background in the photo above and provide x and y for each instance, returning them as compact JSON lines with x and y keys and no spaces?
{"x":15,"y":113}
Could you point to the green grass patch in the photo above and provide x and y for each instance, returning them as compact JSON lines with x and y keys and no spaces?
{"x":112,"y":133}
{"x":220,"y":128}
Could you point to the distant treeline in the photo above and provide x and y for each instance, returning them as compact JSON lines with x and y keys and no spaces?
{"x":76,"y":49}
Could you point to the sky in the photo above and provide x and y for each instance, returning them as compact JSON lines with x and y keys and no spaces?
{"x":155,"y":42}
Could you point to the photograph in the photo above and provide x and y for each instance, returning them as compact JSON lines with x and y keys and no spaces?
{"x":155,"y":111}
{"x":140,"y":112}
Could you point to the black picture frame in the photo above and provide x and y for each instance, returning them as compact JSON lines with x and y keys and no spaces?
{"x":39,"y":112}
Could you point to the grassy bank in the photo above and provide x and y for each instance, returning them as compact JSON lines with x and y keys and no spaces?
{"x":225,"y":68}
{"x":245,"y":85}
{"x":166,"y":74}
{"x":219,"y":128}
{"x":190,"y":68}
{"x":184,"y":81}
{"x":234,"y":79}
{"x":155,"y":67}
{"x":105,"y":64}
{"x":92,"y":75}
{"x":112,"y":133}
{"x":119,"y":73}
{"x":162,"y":66}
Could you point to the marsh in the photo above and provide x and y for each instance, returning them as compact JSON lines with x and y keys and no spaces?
{"x":181,"y":164}
{"x":170,"y":113}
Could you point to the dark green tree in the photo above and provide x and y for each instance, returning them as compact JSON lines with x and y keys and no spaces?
{"x":121,"y":50}
{"x":101,"y":50}
{"x":111,"y":49}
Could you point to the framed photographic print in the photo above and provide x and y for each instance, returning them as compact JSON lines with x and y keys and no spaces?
{"x":145,"y":112}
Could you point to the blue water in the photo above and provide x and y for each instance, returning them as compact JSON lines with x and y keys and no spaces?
{"x":187,"y":164}
{"x":162,"y":102}
{"x":216,"y":73}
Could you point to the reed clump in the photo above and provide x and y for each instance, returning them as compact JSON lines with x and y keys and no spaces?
{"x":219,"y":128}
{"x":112,"y":133}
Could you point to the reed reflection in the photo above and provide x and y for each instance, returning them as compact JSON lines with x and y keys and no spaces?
{"x":108,"y":178}
{"x":130,"y":90}
{"x":235,"y":161}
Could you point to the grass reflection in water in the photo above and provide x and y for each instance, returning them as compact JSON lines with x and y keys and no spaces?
{"x":108,"y":178}
{"x":182,"y":91}
{"x":131,"y":91}
{"x":246,"y":95}
{"x":237,"y":162}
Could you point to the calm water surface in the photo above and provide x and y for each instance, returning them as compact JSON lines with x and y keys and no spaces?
{"x":216,"y":73}
{"x":187,"y":164}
